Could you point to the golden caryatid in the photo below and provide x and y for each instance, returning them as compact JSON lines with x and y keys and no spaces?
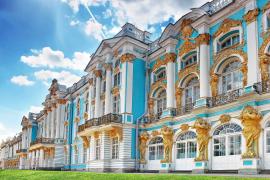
{"x":167,"y":134}
{"x":202,"y":128}
{"x":250,"y":119}
{"x":142,"y":147}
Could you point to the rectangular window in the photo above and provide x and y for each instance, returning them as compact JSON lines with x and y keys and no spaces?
{"x":97,"y":149}
{"x":86,"y":106}
{"x":115,"y":148}
{"x":191,"y":149}
{"x":235,"y":145}
{"x":181,"y":148}
{"x":268,"y":142}
{"x":220,"y":146}
{"x":116,"y":104}
{"x":84,"y":155}
{"x":116,"y":80}
{"x":160,"y":152}
{"x":152,"y":151}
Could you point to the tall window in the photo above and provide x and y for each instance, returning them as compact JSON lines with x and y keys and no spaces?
{"x":227,"y":140}
{"x":84,"y":155}
{"x":267,"y":130}
{"x":160,"y":74}
{"x":87,"y":102}
{"x":192,"y":91}
{"x":186,"y":146}
{"x":156,"y":149}
{"x":116,"y":79}
{"x":97,"y":149}
{"x":116,"y":104}
{"x":103,"y":86}
{"x":228,"y":40}
{"x":76,"y":155}
{"x":161,"y":102}
{"x":78,"y":107}
{"x":190,"y":59}
{"x":231,"y":77}
{"x":115,"y":148}
{"x":103,"y":107}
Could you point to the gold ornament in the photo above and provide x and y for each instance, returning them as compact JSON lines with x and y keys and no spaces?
{"x":98,"y":73}
{"x":266,"y":7}
{"x":251,"y":15}
{"x":188,"y":70}
{"x":115,"y":90}
{"x":186,"y":28}
{"x":226,"y":25}
{"x":117,"y":132}
{"x":203,"y":39}
{"x":184,"y":127}
{"x":214,"y":84}
{"x":86,"y":142}
{"x":127,"y":57}
{"x":250,"y":119}
{"x":167,"y":134}
{"x":158,"y":64}
{"x":155,"y":133}
{"x":186,"y":48}
{"x":202,"y":128}
{"x":224,"y":118}
{"x":170,"y":57}
{"x":151,"y":103}
{"x":178,"y":96}
{"x":264,"y":66}
{"x":85,"y":115}
{"x":142,"y":147}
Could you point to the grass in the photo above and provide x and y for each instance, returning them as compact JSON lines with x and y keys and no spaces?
{"x":30,"y":174}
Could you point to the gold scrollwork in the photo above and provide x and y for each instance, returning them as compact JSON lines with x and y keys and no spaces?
{"x":214,"y":84}
{"x":188,"y":70}
{"x":86,"y":142}
{"x":155,"y":133}
{"x":251,"y":15}
{"x":115,"y":90}
{"x":264,"y":66}
{"x":178,"y":96}
{"x":98,"y":73}
{"x":117,"y":132}
{"x":226,"y":25}
{"x":184,"y":127}
{"x":127,"y":57}
{"x":186,"y":47}
{"x":203,"y":39}
{"x":224,"y":118}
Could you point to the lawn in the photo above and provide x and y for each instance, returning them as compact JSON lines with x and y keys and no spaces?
{"x":29,"y":174}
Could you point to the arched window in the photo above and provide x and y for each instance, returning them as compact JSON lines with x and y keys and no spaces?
{"x":186,"y":145}
{"x":227,"y":140}
{"x":228,"y":40}
{"x":192,"y":91}
{"x":156,"y":148}
{"x":160,"y":74}
{"x":231,"y":77}
{"x":115,"y":148}
{"x":189,"y":59}
{"x":161,"y":102}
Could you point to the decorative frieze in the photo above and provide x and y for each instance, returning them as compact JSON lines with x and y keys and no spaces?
{"x":251,"y":15}
{"x":62,"y":101}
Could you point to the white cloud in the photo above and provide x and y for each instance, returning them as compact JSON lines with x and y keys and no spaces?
{"x":74,"y":22}
{"x":94,"y":29}
{"x":21,"y":80}
{"x":6,"y":132}
{"x":56,"y":59}
{"x":35,"y":109}
{"x":63,"y":77}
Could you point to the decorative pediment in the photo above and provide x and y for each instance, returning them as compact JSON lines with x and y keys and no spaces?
{"x":186,"y":47}
{"x":226,"y":25}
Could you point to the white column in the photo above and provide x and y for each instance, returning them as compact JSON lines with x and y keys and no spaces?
{"x":57,"y":123}
{"x":37,"y":158}
{"x":204,"y":65}
{"x":33,"y":159}
{"x":53,"y":123}
{"x":97,"y":99}
{"x":170,"y":91}
{"x":48,"y":124}
{"x":252,"y":46}
{"x":108,"y":103}
{"x":61,"y":118}
{"x":43,"y":128}
{"x":41,"y":157}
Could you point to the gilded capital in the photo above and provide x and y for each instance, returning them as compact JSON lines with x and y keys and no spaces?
{"x":127,"y":57}
{"x":108,"y":66}
{"x":251,"y":15}
{"x":91,"y":81}
{"x":61,"y":101}
{"x":170,"y":57}
{"x":203,"y":39}
{"x":98,"y":73}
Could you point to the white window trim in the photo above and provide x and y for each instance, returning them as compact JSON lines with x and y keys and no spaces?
{"x":264,"y":20}
{"x":239,"y":28}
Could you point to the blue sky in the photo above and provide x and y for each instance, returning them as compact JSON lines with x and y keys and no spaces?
{"x":45,"y":39}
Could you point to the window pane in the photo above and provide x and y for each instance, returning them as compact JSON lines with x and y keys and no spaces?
{"x":152,"y":153}
{"x":181,"y":148}
{"x":160,"y":151}
{"x":235,"y":145}
{"x":219,"y":146}
{"x":191,"y":149}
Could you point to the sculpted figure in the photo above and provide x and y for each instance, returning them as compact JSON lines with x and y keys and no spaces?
{"x":202,"y":128}
{"x":151,"y":107}
{"x":264,"y":68}
{"x":142,"y":147}
{"x":214,"y":84}
{"x":178,"y":96}
{"x":250,"y":119}
{"x":167,"y":134}
{"x":244,"y":70}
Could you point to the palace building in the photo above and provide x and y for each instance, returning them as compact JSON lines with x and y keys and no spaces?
{"x":196,"y":99}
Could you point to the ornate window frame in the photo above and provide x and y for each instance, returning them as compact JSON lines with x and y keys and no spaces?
{"x":266,"y":12}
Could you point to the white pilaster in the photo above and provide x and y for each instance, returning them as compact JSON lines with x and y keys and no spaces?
{"x":58,"y":120}
{"x":204,"y":70}
{"x":97,"y":99}
{"x":108,"y":103}
{"x":41,"y":157}
{"x":170,"y":84}
{"x":53,"y":123}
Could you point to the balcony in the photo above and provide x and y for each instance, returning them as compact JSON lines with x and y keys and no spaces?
{"x":42,"y":141}
{"x":225,"y":98}
{"x":104,"y":120}
{"x":185,"y":109}
{"x":262,"y":87}
{"x":21,"y":151}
